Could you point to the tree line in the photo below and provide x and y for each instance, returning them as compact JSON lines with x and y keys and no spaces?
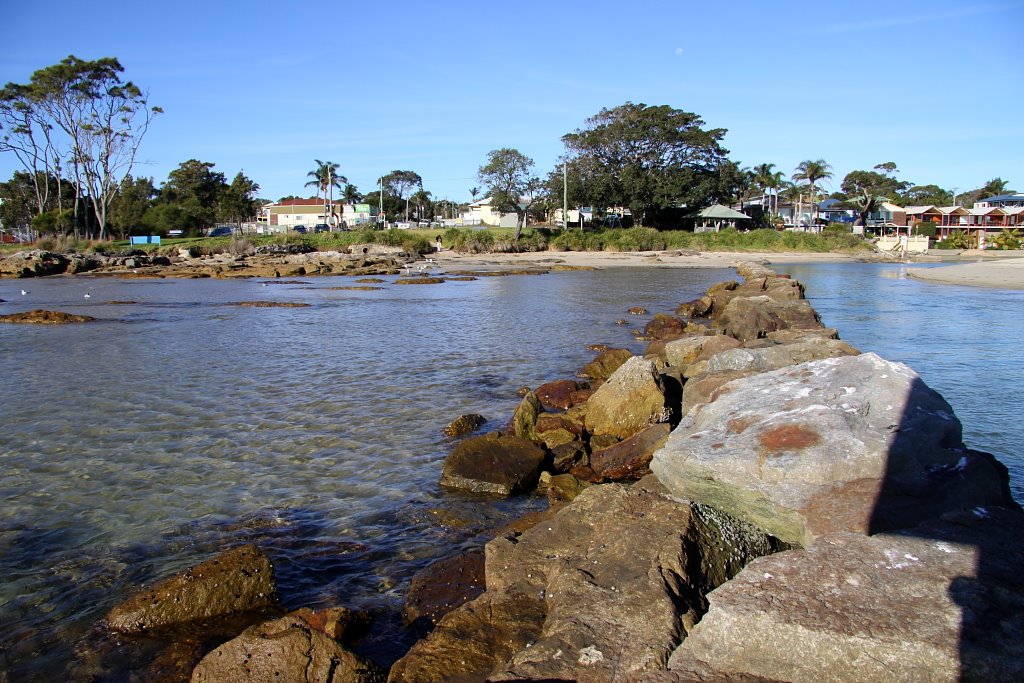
{"x":75,"y":127}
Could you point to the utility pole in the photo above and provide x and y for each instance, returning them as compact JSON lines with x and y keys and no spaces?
{"x":565,"y":195}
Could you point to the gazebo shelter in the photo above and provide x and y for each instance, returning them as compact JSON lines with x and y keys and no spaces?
{"x":712,"y":218}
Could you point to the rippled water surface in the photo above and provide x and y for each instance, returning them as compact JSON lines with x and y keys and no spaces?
{"x":179,"y":425}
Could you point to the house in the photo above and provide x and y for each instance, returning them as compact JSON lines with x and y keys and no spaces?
{"x":282,"y":216}
{"x":481,"y":211}
{"x":923,"y":214}
{"x":1001,"y":201}
{"x":889,"y":215}
{"x":832,"y":211}
{"x":353,"y":215}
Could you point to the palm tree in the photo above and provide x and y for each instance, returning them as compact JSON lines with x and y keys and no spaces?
{"x":325,"y":178}
{"x":762,"y":178}
{"x":812,"y":171}
{"x":774,"y":181}
{"x":474,"y":191}
{"x":421,"y":198}
{"x":794,"y":194}
{"x":993,"y":188}
{"x":351,"y":194}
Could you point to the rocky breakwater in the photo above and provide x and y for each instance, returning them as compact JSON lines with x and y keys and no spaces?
{"x":813,"y":514}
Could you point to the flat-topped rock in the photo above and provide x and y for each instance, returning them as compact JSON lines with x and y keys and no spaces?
{"x":855,"y":443}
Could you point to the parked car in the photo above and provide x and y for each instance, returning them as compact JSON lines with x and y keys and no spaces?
{"x":301,"y":229}
{"x":321,"y":227}
{"x":221,"y":232}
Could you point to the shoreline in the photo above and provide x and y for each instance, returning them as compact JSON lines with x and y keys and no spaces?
{"x":993,"y":272}
{"x":672,"y":258}
{"x":998,"y":270}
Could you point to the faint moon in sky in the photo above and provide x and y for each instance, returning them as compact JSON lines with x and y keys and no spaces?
{"x":679,"y":50}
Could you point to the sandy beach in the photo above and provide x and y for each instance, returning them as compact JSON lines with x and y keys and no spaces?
{"x":606,"y":259}
{"x":1002,"y":271}
{"x":1005,"y":271}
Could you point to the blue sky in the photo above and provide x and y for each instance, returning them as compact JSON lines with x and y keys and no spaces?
{"x":935,"y":86}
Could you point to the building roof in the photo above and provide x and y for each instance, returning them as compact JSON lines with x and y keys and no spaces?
{"x":721,"y":212}
{"x":930,"y":208}
{"x":889,"y":206}
{"x":985,"y":210}
{"x":312,"y":201}
{"x":959,"y":210}
{"x":1011,"y":197}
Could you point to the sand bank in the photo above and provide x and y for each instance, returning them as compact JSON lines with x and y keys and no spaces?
{"x":604,"y":259}
{"x":1003,"y":272}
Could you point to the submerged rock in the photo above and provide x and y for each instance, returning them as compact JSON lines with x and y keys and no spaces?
{"x":444,"y":585}
{"x":44,"y":317}
{"x":239,"y":580}
{"x":464,"y":424}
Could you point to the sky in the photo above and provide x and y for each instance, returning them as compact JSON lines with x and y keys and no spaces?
{"x":266,"y":88}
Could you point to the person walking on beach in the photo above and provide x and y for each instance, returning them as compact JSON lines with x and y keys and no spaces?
{"x":438,"y":243}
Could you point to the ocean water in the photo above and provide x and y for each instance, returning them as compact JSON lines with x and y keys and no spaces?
{"x":180,"y":425}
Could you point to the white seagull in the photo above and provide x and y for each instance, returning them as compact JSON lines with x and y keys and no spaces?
{"x":23,"y":292}
{"x":88,"y":295}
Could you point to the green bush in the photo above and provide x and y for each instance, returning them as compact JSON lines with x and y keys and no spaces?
{"x":838,"y":228}
{"x":923,"y":228}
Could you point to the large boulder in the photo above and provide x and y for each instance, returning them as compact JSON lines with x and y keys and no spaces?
{"x":942,"y":602}
{"x":777,"y":356}
{"x":702,"y":388}
{"x":606,"y":363}
{"x":470,"y":641}
{"x":629,"y":459}
{"x":558,"y":395}
{"x":285,"y":649}
{"x":688,"y":350}
{"x":855,"y":443}
{"x":35,"y":263}
{"x":663,"y":326}
{"x":601,"y":591}
{"x":524,"y":420}
{"x":494,"y":464}
{"x":755,"y":316}
{"x":237,"y":581}
{"x":629,"y":401}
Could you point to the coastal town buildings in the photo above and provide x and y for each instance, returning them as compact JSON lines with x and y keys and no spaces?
{"x":291,"y":213}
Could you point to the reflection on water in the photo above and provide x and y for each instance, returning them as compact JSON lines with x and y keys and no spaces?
{"x":177,"y":425}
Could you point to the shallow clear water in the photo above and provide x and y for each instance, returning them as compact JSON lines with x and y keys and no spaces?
{"x":178,"y":425}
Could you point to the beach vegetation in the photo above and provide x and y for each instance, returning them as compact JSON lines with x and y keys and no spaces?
{"x":1008,"y":238}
